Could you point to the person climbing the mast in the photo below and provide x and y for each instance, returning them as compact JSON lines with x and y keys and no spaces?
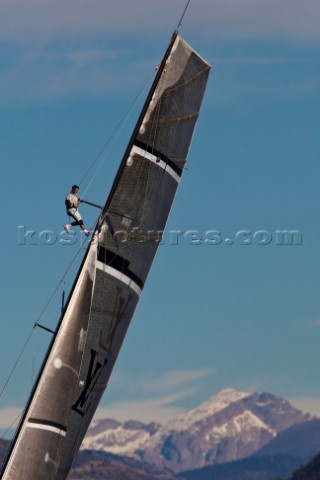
{"x":72,"y":202}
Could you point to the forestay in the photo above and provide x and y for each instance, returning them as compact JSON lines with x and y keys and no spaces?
{"x":113,"y":273}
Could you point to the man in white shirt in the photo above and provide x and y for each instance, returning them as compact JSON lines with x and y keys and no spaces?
{"x":72,"y":202}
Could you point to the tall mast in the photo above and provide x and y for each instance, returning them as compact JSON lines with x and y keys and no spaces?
{"x":103,"y":298}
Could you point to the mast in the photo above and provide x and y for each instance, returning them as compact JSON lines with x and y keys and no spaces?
{"x":101,"y":304}
{"x":65,"y":306}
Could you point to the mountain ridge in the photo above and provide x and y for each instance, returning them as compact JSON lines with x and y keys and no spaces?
{"x":228,"y":426}
{"x":271,"y":437}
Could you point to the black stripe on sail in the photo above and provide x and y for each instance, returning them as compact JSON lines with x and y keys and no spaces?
{"x":118,"y":263}
{"x":160,"y":155}
{"x":49,"y":423}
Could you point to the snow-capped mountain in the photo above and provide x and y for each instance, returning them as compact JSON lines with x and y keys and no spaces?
{"x":229,"y":426}
{"x":219,"y":402}
{"x":118,"y":438}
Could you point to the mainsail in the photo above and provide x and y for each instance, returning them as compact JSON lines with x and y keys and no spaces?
{"x":110,"y":280}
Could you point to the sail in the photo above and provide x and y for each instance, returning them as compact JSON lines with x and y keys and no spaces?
{"x":111,"y":278}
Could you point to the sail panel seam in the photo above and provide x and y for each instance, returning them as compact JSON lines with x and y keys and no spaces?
{"x":179,"y":120}
{"x":183,"y":84}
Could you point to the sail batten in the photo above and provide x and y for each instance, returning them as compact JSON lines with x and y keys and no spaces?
{"x":113,"y":273}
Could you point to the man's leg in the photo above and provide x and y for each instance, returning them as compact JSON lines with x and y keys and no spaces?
{"x":79,"y":221}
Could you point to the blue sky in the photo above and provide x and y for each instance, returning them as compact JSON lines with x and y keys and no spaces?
{"x":211,"y":316}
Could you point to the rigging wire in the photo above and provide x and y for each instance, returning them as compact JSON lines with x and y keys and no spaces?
{"x":58,"y":285}
{"x":153,"y":137}
{"x":15,"y":421}
{"x":17,"y":360}
{"x":183,"y":14}
{"x":36,"y":323}
{"x":113,"y":136}
{"x":150,"y":142}
{"x":111,"y":139}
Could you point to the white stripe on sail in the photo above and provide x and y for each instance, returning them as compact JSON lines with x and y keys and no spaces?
{"x":156,"y":161}
{"x":120,"y":276}
{"x":49,"y":428}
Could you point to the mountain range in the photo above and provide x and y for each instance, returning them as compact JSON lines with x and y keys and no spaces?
{"x":228,"y":427}
{"x":232,"y":436}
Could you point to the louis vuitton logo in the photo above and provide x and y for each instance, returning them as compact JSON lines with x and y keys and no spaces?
{"x":94,"y":372}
